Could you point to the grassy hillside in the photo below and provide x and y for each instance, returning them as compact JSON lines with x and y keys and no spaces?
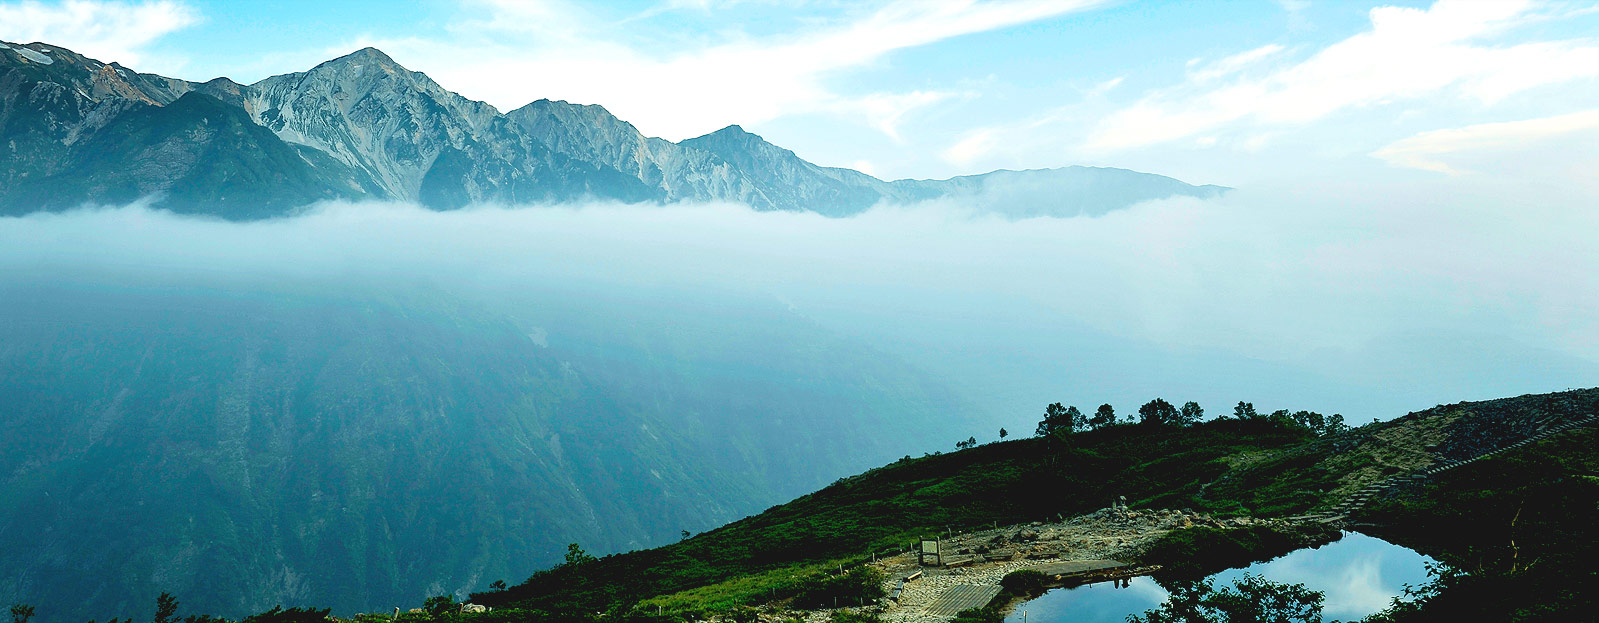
{"x":1516,"y":528}
{"x":887,"y":508}
{"x":1263,"y":467}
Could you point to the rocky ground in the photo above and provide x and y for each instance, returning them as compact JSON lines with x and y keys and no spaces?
{"x":1107,"y":534}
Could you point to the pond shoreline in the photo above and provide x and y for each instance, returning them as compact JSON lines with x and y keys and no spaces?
{"x":1138,"y":539}
{"x":1349,"y":571}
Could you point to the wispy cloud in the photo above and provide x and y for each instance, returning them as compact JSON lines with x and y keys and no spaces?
{"x":509,"y":53}
{"x":973,"y":146}
{"x":1200,"y":71}
{"x":1428,"y":149}
{"x":1407,"y":54}
{"x":109,"y":31}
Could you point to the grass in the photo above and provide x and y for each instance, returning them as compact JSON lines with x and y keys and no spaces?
{"x":885,"y":510}
{"x":1229,"y":467}
{"x":1521,"y":525}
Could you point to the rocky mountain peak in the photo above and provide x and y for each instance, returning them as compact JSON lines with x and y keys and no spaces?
{"x":92,"y":80}
{"x":372,"y":114}
{"x":362,"y":125}
{"x":734,"y":134}
{"x":743,"y":148}
{"x":369,"y":54}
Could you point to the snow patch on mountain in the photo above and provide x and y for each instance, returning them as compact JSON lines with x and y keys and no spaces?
{"x":35,"y":56}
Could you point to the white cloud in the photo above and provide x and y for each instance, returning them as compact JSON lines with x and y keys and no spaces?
{"x":1408,"y":53}
{"x":513,"y":52}
{"x":975,"y":145}
{"x":1105,"y":87}
{"x":1232,"y":64}
{"x":884,"y":111}
{"x":864,"y":166}
{"x":108,"y":31}
{"x":1426,"y":150}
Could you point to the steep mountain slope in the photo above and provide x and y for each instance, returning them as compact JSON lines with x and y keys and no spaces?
{"x":788,"y":182}
{"x":78,"y":131}
{"x":364,"y":127}
{"x":420,"y":142}
{"x":198,"y":155}
{"x":90,"y":79}
{"x":248,"y":447}
{"x":678,"y":173}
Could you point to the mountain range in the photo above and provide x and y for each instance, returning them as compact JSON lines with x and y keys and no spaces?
{"x":78,"y":131}
{"x":249,"y":437}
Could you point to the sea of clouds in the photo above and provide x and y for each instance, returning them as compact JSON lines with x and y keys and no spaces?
{"x":1333,"y":297}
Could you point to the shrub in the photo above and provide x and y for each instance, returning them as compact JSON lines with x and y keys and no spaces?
{"x":439,"y":604}
{"x":986,"y":614}
{"x":1200,"y":551}
{"x":293,"y":615}
{"x":1025,"y":582}
{"x":862,"y":585}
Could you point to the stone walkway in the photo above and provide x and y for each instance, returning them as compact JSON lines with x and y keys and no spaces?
{"x":1362,"y":497}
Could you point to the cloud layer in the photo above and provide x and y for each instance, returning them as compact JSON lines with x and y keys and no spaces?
{"x":1431,"y":150}
{"x":1376,"y":301}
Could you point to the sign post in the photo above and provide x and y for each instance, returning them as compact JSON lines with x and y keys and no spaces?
{"x":930,"y":551}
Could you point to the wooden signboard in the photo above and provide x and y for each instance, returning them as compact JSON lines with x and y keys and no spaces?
{"x":930,"y":552}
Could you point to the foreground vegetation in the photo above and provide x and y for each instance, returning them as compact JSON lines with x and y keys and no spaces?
{"x":1518,"y":535}
{"x":1515,"y":531}
{"x":769,"y":557}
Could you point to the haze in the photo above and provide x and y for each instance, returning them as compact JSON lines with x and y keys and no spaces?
{"x":1371,"y":304}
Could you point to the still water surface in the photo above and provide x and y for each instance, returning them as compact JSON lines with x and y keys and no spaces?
{"x":1359,"y":575}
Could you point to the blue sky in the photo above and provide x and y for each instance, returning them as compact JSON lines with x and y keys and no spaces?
{"x":1228,"y":93}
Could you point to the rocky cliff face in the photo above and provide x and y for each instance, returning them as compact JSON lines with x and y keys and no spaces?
{"x":677,"y":172}
{"x":78,"y":131}
{"x":787,"y":181}
{"x":416,"y":141}
{"x":362,"y":126}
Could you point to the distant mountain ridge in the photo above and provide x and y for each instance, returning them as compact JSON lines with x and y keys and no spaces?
{"x":75,"y":130}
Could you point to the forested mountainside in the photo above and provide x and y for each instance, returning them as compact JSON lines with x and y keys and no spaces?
{"x":248,"y":448}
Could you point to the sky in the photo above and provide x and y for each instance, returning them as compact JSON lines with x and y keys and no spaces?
{"x":1238,"y":93}
{"x":1412,"y":223}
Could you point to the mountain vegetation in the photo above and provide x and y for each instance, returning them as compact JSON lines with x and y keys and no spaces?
{"x":768,"y":557}
{"x":346,"y":448}
{"x":1525,"y":560}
